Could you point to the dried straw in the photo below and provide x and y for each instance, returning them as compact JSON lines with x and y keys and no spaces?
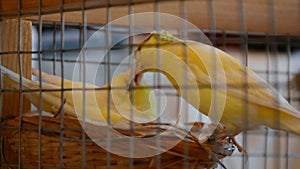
{"x":188,"y":152}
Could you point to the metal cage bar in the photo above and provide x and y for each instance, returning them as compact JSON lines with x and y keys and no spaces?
{"x":272,"y":50}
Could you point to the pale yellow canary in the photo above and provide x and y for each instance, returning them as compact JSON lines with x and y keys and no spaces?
{"x":141,"y":108}
{"x":249,"y":101}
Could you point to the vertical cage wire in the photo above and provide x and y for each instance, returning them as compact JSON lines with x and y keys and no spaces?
{"x":274,"y":51}
{"x":82,"y":40}
{"x":156,"y":77}
{"x":20,"y":77}
{"x":130,"y":50}
{"x":183,"y":33}
{"x":62,"y":113}
{"x":244,"y":49}
{"x":108,"y":78}
{"x":40,"y":28}
{"x":288,"y":55}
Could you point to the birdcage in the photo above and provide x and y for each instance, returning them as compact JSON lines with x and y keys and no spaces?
{"x":46,"y":120}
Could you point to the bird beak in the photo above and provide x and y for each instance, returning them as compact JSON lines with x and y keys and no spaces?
{"x":138,"y":69}
{"x":138,"y":73}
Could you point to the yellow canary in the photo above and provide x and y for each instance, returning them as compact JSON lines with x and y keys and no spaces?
{"x":139,"y":108}
{"x":249,"y":101}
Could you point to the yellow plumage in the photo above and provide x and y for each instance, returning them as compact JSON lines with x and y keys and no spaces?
{"x":96,"y":101}
{"x":249,"y":100}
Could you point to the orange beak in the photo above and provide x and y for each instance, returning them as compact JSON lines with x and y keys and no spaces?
{"x":138,"y":73}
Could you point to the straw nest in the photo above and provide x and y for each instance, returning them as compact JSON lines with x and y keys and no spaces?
{"x":67,"y":145}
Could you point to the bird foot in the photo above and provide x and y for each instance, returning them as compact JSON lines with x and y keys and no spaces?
{"x":239,"y":147}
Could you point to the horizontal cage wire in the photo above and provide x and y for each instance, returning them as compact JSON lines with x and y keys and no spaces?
{"x":217,"y":88}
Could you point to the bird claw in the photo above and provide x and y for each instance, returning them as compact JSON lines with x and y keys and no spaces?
{"x":224,"y":147}
{"x":234,"y":142}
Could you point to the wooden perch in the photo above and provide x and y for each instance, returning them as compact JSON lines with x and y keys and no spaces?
{"x":9,"y":45}
{"x":9,"y":34}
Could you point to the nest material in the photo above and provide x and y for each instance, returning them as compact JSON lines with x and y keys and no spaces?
{"x":67,"y":151}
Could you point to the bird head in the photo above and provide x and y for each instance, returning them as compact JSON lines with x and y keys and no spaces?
{"x":152,"y":46}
